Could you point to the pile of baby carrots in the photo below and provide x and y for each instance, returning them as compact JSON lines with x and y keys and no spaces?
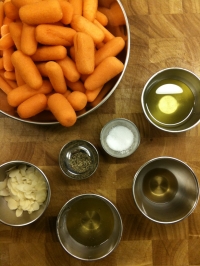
{"x":57,"y":55}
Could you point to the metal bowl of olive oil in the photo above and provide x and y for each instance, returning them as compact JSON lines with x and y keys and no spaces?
{"x":165,"y":190}
{"x":89,"y":227}
{"x":171,"y":100}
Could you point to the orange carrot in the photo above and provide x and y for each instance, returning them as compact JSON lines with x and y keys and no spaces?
{"x":22,"y":93}
{"x":117,"y":17}
{"x":1,"y":13}
{"x":69,"y":69}
{"x":42,"y":69}
{"x":41,"y":12}
{"x":90,"y":9}
{"x":32,"y":106}
{"x":28,"y":41}
{"x":10,"y":75}
{"x":5,"y":87}
{"x":84,"y":53}
{"x":105,"y":71}
{"x":79,"y":23}
{"x":111,"y":48}
{"x":19,"y":79}
{"x":54,"y":35}
{"x":77,"y":6}
{"x":4,"y":30}
{"x":1,"y":63}
{"x":27,"y":69}
{"x":67,"y":10}
{"x":15,"y":29}
{"x":77,"y":99}
{"x":6,"y":41}
{"x":11,"y":11}
{"x":56,"y":77}
{"x":7,"y":53}
{"x":92,"y":94}
{"x":20,"y":3}
{"x":76,"y":86}
{"x":107,"y":34}
{"x":62,"y":109}
{"x":46,"y":53}
{"x":101,"y":18}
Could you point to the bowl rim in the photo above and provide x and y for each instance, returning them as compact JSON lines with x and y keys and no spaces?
{"x":144,"y":91}
{"x":173,"y":159}
{"x":128,"y":42}
{"x":48,"y":190}
{"x":112,"y":207}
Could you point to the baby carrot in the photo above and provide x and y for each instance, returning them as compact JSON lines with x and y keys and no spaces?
{"x":27,"y":69}
{"x":111,"y":48}
{"x":10,"y":75}
{"x":19,"y":3}
{"x":7,"y":53}
{"x":68,"y":11}
{"x":46,"y":53}
{"x":107,"y":34}
{"x":28,"y":41}
{"x":32,"y":106}
{"x":41,"y":12}
{"x":90,"y":9}
{"x":77,"y":99}
{"x":4,"y":30}
{"x":5,"y":87}
{"x":11,"y":11}
{"x":92,"y":94}
{"x":54,"y":35}
{"x":1,"y":63}
{"x":117,"y":17}
{"x":77,"y":6}
{"x":1,"y":13}
{"x":101,"y":18}
{"x":62,"y":109}
{"x":56,"y":77}
{"x":42,"y":69}
{"x":19,"y":79}
{"x":105,"y":71}
{"x":6,"y":41}
{"x":23,"y":92}
{"x":69,"y":69}
{"x":84,"y":53}
{"x":76,"y":86}
{"x":79,"y":23}
{"x":15,"y":29}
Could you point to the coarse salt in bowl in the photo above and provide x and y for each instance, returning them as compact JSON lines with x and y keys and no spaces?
{"x":120,"y":137}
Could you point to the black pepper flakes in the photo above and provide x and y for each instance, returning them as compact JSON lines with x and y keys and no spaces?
{"x":80,"y":162}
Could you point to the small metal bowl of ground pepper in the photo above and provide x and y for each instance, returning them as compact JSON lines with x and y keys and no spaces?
{"x":78,"y":159}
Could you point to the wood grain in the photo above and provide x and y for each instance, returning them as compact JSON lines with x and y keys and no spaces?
{"x":163,"y":34}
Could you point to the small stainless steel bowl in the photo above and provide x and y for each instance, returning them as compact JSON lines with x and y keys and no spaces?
{"x":165,"y":190}
{"x":72,"y":148}
{"x":180,"y":76}
{"x":125,"y":123}
{"x":8,"y":216}
{"x":89,"y":222}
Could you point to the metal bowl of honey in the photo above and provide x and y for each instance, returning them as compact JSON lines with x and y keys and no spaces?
{"x":89,"y":227}
{"x":165,"y":190}
{"x":171,"y":100}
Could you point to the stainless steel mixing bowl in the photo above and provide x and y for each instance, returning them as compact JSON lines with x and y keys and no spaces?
{"x":165,"y":190}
